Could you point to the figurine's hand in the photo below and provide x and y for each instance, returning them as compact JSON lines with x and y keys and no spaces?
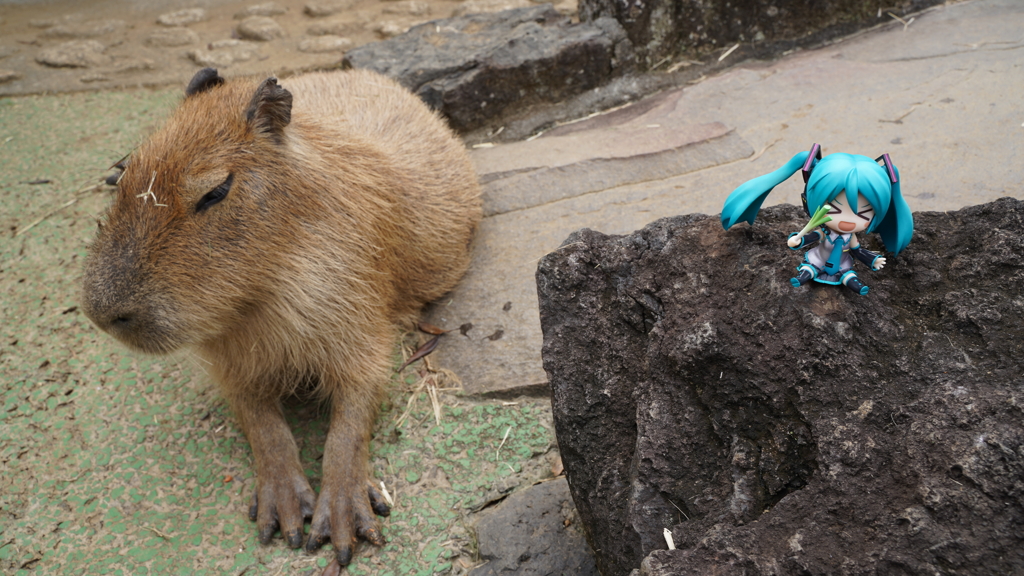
{"x":794,"y":241}
{"x":879,"y":263}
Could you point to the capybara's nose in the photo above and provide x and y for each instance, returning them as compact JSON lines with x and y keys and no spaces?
{"x":110,"y":302}
{"x":131,"y":321}
{"x":122,"y":322}
{"x":109,"y":316}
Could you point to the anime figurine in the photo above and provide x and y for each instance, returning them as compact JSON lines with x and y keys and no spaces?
{"x":843,"y":194}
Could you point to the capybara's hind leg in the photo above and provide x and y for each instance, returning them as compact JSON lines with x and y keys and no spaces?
{"x":345,"y":509}
{"x":283,"y":498}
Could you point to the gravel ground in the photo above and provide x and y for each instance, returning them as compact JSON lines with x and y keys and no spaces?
{"x":73,"y":45}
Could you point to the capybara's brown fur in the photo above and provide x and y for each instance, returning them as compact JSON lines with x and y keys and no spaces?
{"x":283,"y":232}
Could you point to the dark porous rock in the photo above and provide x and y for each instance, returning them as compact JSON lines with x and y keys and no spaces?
{"x":780,"y":430}
{"x":534,"y":532}
{"x":662,"y":29}
{"x":476,"y":67}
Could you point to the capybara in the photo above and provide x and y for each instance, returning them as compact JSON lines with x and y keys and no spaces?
{"x":285,"y":242}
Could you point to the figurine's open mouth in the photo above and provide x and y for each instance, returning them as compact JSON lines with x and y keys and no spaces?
{"x":847,"y":226}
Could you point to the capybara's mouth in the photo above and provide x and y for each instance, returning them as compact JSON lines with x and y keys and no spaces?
{"x":140,"y":332}
{"x":149,"y":345}
{"x":145,"y":340}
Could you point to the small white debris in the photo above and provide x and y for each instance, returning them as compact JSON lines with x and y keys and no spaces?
{"x":668,"y":539}
{"x":387,"y":496}
{"x":727,"y":52}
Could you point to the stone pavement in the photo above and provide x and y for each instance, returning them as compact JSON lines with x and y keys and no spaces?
{"x":941,"y":95}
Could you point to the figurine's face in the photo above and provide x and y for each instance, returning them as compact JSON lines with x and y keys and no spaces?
{"x":845,"y":219}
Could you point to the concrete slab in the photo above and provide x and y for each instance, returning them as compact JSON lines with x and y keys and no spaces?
{"x":941,"y":96}
{"x":606,"y":163}
{"x":635,"y":144}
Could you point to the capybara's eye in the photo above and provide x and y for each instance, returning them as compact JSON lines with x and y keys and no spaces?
{"x":215,"y":195}
{"x":120,"y":165}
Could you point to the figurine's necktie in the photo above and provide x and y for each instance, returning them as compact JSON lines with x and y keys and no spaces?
{"x":832,"y":266}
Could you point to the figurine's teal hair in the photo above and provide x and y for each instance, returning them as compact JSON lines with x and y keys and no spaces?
{"x":831,"y":175}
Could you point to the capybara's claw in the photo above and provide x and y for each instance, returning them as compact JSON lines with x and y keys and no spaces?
{"x":266,"y":532}
{"x":381,"y":508}
{"x":373,"y":536}
{"x":294,"y":538}
{"x":344,"y":515}
{"x":283,"y":501}
{"x":319,"y":534}
{"x":254,"y":507}
{"x":344,"y":555}
{"x":377,"y":502}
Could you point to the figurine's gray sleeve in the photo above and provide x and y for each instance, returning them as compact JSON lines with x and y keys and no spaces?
{"x":866,"y":256}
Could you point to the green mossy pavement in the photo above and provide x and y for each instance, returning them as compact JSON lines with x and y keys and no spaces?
{"x":116,"y":463}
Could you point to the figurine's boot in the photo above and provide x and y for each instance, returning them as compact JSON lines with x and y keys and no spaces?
{"x":805,"y":273}
{"x":854,"y":283}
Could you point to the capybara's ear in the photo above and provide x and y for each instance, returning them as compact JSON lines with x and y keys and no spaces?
{"x":270,"y":109}
{"x":203,"y":80}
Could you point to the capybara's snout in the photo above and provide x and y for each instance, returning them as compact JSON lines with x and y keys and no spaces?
{"x":115,"y":297}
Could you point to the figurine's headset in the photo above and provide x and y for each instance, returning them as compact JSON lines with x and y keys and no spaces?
{"x":815,"y":156}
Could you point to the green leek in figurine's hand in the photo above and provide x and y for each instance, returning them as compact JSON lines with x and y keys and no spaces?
{"x":819,"y":218}
{"x":847,"y":194}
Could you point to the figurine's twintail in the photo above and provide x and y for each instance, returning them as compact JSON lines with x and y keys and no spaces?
{"x":897,"y":227}
{"x":745,"y":202}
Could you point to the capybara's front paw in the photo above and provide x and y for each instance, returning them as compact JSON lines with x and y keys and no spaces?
{"x":344,"y":513}
{"x":282,"y":501}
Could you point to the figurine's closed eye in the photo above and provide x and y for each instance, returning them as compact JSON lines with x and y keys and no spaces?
{"x":833,"y":209}
{"x":215,"y":195}
{"x":867,"y":213}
